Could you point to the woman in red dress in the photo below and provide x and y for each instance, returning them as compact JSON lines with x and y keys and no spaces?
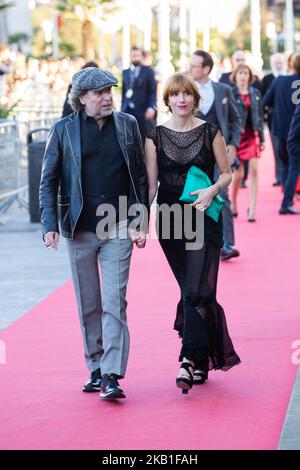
{"x":249,"y":103}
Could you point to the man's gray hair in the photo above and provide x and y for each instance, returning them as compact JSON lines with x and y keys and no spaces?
{"x":75,"y":101}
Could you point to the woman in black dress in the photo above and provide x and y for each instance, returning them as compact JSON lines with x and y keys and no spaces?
{"x":171,"y":149}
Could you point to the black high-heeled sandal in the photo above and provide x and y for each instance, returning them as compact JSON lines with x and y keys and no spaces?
{"x":200,"y":377}
{"x":183,"y":382}
{"x":250,"y":219}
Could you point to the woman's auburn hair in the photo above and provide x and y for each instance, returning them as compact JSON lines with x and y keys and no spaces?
{"x":241,"y":67}
{"x":180,"y":82}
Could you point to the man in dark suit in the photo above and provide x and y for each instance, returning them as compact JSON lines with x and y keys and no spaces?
{"x":278,"y":66}
{"x":217,"y":105}
{"x":294,"y":164}
{"x":282,"y":96}
{"x":139,"y":91}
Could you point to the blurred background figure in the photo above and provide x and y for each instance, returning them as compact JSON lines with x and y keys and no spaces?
{"x":147,"y":58}
{"x":139,"y":91}
{"x":238,"y":57}
{"x":217,"y":106}
{"x":249,"y":104}
{"x":294,"y":156}
{"x":282,"y":96}
{"x":290,"y":63}
{"x":278,"y":67}
{"x":6,"y":67}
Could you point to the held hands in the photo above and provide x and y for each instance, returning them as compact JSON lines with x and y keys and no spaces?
{"x":138,"y":237}
{"x":231,"y":152}
{"x":205,"y":196}
{"x":51,"y":240}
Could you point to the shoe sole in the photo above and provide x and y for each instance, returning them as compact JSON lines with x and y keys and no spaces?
{"x":112,"y":396}
{"x":91,"y":389}
{"x":224,"y":258}
{"x":183,"y":385}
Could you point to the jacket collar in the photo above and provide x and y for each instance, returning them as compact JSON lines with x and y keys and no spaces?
{"x":120,"y":126}
{"x":73,"y":132}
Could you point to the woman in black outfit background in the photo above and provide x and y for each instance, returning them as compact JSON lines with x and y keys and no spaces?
{"x":171,"y":149}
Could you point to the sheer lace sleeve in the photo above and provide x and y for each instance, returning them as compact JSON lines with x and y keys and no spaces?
{"x":151,"y":134}
{"x":214,"y":130}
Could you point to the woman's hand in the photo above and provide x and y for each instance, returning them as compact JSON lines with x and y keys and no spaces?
{"x":262,"y":147}
{"x":205,"y":196}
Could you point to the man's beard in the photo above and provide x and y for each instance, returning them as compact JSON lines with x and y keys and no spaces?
{"x":104,"y":113}
{"x":136,"y":63}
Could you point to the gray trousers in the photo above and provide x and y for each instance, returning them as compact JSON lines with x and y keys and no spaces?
{"x":228,"y":224}
{"x":102,"y":307}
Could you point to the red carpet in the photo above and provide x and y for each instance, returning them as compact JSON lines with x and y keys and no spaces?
{"x":42,"y":407}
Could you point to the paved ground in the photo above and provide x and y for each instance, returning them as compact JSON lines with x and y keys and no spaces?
{"x":28,"y":272}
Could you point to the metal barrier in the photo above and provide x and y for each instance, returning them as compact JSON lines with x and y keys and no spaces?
{"x":14,"y":160}
{"x":32,"y":117}
{"x":39,"y":108}
{"x":9,"y":163}
{"x":14,"y":149}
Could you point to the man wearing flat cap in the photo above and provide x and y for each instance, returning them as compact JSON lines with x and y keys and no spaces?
{"x":93,"y":166}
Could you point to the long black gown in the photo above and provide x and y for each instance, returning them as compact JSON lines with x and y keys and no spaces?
{"x":200,"y":320}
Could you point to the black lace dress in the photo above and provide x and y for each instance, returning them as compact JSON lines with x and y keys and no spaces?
{"x":200,"y":320}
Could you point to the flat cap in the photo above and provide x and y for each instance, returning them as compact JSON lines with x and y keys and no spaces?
{"x":93,"y":78}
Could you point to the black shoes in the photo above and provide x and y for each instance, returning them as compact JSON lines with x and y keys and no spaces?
{"x":185,"y":380}
{"x":276,"y":183}
{"x":93,"y":384}
{"x":200,"y":372}
{"x":110,"y":388}
{"x":228,"y":252}
{"x":250,"y":219}
{"x":288,"y":210}
{"x":200,"y":377}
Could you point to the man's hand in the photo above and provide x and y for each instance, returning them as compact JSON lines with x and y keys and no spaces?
{"x":138,"y":237}
{"x":150,"y":114}
{"x":51,"y":240}
{"x":231,"y":151}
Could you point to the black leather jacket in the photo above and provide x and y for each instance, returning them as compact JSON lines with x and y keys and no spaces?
{"x":61,"y":197}
{"x":256,"y":110}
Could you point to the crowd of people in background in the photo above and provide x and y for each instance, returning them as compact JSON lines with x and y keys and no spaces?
{"x":240,"y":101}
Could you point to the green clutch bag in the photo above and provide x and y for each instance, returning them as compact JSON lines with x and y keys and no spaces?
{"x":197,"y":179}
